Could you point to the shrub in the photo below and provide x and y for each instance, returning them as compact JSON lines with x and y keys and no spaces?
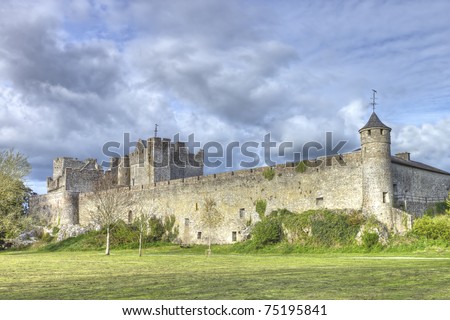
{"x":170,"y":231}
{"x":436,"y":209}
{"x":260,"y":208}
{"x":267,"y":231}
{"x":156,"y":229}
{"x":301,"y":167}
{"x":436,"y":228}
{"x":315,"y":227}
{"x":123,"y":233}
{"x":297,"y":226}
{"x":447,"y":202}
{"x":268,"y":173}
{"x":370,"y":239}
{"x":332,"y":228}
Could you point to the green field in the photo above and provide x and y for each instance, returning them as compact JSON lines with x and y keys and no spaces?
{"x":170,"y":274}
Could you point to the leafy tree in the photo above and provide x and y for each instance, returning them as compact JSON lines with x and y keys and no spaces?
{"x":110,"y":204}
{"x":14,"y":164}
{"x":14,"y":167}
{"x":210,"y":218}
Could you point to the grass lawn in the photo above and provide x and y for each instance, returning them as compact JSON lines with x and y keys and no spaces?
{"x":166,"y":275}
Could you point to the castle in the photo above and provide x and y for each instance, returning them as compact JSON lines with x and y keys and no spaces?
{"x":395,"y":188}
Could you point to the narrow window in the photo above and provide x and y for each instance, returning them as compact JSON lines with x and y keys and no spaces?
{"x":242,"y":213}
{"x":196,"y":206}
{"x":130,"y":217}
{"x":385,"y":197}
{"x":234,"y":236}
{"x":319,"y":201}
{"x":369,"y":132}
{"x":382,"y":131}
{"x":199,"y":235}
{"x":395,"y":188}
{"x":186,"y":222}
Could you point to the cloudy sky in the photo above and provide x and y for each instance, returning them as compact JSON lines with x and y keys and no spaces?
{"x":74,"y":75}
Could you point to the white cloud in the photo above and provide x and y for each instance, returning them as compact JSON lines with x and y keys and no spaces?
{"x":427,"y":143}
{"x":353,"y":116}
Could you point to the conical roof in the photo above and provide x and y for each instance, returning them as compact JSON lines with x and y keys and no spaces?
{"x":374,"y":122}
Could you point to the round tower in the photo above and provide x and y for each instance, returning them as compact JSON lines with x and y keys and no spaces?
{"x":376,"y":169}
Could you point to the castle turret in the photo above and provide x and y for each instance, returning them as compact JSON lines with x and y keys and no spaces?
{"x":376,"y":169}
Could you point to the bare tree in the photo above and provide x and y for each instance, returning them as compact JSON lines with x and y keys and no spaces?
{"x":144,"y":212}
{"x":210,"y":218}
{"x":110,"y":203}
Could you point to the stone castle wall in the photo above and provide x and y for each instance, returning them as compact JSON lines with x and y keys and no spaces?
{"x":56,"y":208}
{"x":338,"y":185}
{"x":157,"y":178}
{"x":416,"y":189}
{"x":333,"y":187}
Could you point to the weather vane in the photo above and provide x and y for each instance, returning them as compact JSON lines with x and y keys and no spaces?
{"x":156,"y":130}
{"x":373,"y":99}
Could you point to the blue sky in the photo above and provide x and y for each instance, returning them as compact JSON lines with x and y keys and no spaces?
{"x":74,"y":75}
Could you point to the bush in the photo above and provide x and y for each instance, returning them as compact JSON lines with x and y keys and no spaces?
{"x":435,"y":209}
{"x":297,"y":227}
{"x":267,"y":231}
{"x":123,"y":234}
{"x":314,"y":228}
{"x":260,"y":208}
{"x":156,"y":229}
{"x":436,"y":228}
{"x":301,"y":167}
{"x":269,"y":173}
{"x":370,"y":239}
{"x":332,"y":228}
{"x":170,"y":231}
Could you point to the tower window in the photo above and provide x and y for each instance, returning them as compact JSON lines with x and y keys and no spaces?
{"x":130,"y":217}
{"x":395,"y":187}
{"x":369,"y":132}
{"x":241,"y":213}
{"x":382,"y":131}
{"x":234,"y":236}
{"x":199,"y":235}
{"x":385,"y":197}
{"x":186,"y":222}
{"x":319,"y":201}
